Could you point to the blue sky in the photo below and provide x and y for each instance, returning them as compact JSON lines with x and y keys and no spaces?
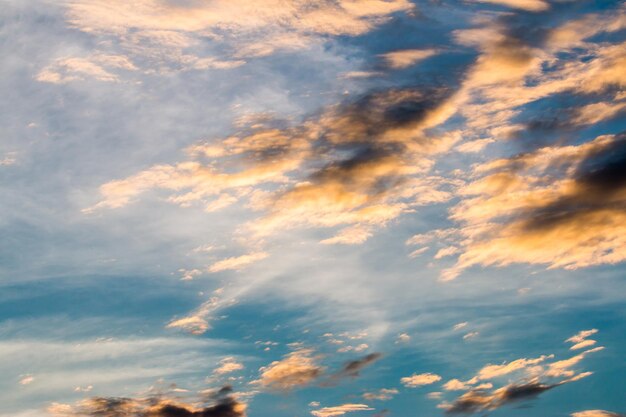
{"x":312,"y":208}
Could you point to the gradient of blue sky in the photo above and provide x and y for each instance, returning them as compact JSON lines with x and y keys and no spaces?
{"x":351,"y":207}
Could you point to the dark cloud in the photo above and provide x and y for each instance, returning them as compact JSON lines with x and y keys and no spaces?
{"x":599,"y":184}
{"x":223,"y":405}
{"x":353,"y":368}
{"x":480,"y":400}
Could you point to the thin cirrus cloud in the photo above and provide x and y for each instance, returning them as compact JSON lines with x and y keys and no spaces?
{"x":163,"y":37}
{"x":407,"y":57}
{"x":530,"y":5}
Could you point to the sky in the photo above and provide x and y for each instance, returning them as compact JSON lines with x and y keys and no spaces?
{"x":326,"y":208}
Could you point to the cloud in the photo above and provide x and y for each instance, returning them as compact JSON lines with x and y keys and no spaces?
{"x":478,"y":401}
{"x":416,"y":380}
{"x":238,"y":262}
{"x":172,"y":36}
{"x":529,"y":5}
{"x":470,"y":335}
{"x":595,"y":413}
{"x":580,"y":340}
{"x":198,"y":321}
{"x":495,"y":371}
{"x":26,"y":380}
{"x":100,"y":67}
{"x":458,"y":385}
{"x":295,"y":370}
{"x":460,"y":326}
{"x":353,"y":368}
{"x":558,"y":206}
{"x":336,"y":169}
{"x":223,"y":404}
{"x":526,"y":379}
{"x":228,"y":365}
{"x":383,"y":394}
{"x":340,"y":410}
{"x":407,"y":57}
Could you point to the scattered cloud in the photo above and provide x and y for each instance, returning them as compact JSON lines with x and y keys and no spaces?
{"x":530,"y":5}
{"x":340,"y":410}
{"x":295,"y":370}
{"x":418,"y":380}
{"x":26,"y":380}
{"x":581,"y":341}
{"x":228,"y":365}
{"x":596,"y":413}
{"x":237,"y":262}
{"x":383,"y":394}
{"x":353,"y":368}
{"x":221,"y":404}
{"x":526,"y":379}
{"x":407,"y":57}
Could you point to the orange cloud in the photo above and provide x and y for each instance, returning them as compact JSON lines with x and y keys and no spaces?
{"x":295,"y":370}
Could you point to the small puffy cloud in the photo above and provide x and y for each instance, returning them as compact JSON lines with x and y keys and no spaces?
{"x":26,"y":380}
{"x":350,"y":348}
{"x":529,"y":5}
{"x":340,"y":410}
{"x":436,"y":395}
{"x":8,"y":159}
{"x":189,"y":274}
{"x":418,"y":380}
{"x":595,"y":413}
{"x":228,"y":365}
{"x":383,"y":394}
{"x":580,"y":340}
{"x":470,"y":335}
{"x":460,"y":326}
{"x":407,"y":57}
{"x":295,"y":370}
{"x":237,"y":262}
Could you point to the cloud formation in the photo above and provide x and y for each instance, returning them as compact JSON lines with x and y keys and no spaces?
{"x":595,"y":413}
{"x":297,"y":369}
{"x":223,"y":404}
{"x":526,"y":379}
{"x":339,"y":410}
{"x":339,"y":169}
{"x":165,"y":36}
{"x":416,"y":380}
{"x":560,"y":206}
